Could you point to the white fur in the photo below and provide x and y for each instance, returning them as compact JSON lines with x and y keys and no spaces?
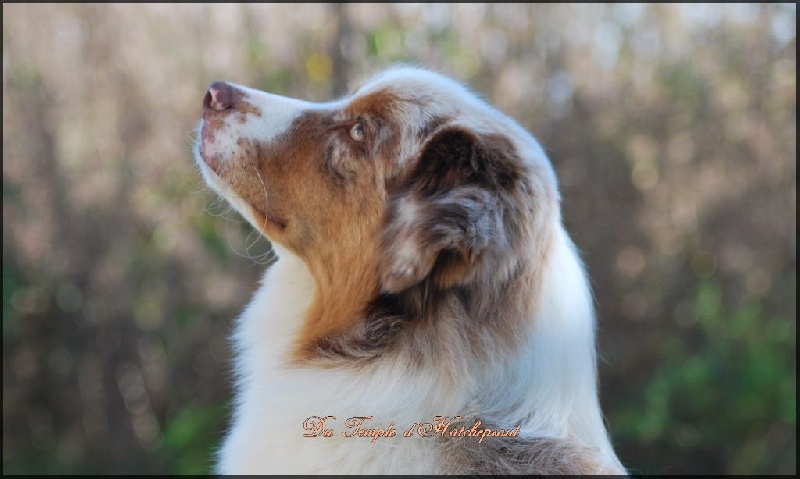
{"x":274,"y":400}
{"x":554,"y":378}
{"x":277,"y":113}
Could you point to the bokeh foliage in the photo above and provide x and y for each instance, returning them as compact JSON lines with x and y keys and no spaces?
{"x":672,"y":129}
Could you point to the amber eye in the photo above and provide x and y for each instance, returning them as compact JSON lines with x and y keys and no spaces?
{"x":357,"y":132}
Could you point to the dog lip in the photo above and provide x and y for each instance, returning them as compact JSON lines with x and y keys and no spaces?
{"x":210,"y":160}
{"x":207,"y":147}
{"x":280,"y":223}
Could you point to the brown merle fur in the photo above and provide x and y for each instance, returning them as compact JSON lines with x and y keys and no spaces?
{"x":478,"y":208}
{"x":519,"y":455}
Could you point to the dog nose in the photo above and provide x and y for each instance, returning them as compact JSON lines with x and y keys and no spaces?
{"x":219,"y":96}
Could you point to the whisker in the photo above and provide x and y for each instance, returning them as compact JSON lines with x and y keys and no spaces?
{"x":264,"y":189}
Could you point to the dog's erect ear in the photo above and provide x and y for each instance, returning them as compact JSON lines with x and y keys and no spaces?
{"x":448,"y":212}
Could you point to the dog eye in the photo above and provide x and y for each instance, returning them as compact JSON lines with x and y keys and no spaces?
{"x":357,"y":132}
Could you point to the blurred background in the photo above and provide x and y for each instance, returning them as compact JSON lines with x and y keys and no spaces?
{"x":672,"y":129}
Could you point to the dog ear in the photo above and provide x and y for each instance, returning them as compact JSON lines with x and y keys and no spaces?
{"x":449,"y":211}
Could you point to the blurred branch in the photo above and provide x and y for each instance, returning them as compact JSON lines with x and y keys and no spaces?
{"x":344,"y":32}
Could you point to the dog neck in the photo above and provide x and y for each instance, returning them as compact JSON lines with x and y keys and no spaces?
{"x":345,"y":281}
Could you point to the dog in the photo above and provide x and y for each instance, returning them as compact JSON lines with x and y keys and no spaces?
{"x":428,"y":313}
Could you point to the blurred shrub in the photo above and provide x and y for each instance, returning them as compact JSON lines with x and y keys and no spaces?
{"x":727,"y":393}
{"x":191,"y":437}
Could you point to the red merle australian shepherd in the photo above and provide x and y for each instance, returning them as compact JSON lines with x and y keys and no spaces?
{"x":428,"y":312}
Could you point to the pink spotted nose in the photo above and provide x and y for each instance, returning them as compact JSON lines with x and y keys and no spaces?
{"x":218,"y":97}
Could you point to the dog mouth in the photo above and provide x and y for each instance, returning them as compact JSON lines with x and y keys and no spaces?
{"x":266,"y":219}
{"x":207,"y":151}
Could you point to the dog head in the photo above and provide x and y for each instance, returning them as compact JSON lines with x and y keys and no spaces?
{"x":410,"y":180}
